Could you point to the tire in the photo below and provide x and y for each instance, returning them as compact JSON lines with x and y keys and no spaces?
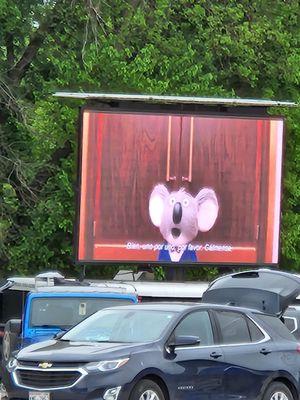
{"x":6,"y":347}
{"x":10,"y":339}
{"x":278,"y":391}
{"x":146,"y":390}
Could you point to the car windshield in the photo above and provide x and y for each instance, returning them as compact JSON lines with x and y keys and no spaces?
{"x":121,"y":326}
{"x":65,"y":312}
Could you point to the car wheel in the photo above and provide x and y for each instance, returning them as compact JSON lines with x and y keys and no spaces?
{"x":6,"y":346}
{"x":278,"y":391}
{"x":12,"y":331}
{"x":147,"y":390}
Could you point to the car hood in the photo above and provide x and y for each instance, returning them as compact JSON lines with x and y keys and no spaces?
{"x":264,"y":290}
{"x":65,"y":351}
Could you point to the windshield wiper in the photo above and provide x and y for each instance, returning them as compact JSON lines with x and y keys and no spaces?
{"x":110,"y":341}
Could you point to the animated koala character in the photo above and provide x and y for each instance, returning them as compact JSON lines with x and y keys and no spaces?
{"x":179,"y":217}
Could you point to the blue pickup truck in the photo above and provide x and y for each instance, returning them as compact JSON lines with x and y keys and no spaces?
{"x":45,"y":311}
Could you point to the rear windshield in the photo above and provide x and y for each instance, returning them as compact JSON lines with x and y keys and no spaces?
{"x":65,"y":312}
{"x":11,"y":304}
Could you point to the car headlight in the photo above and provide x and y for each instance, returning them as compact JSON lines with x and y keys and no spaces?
{"x":12,"y":363}
{"x":109,"y":365}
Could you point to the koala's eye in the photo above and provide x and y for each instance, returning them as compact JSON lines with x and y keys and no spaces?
{"x":172,"y":201}
{"x":186,"y":202}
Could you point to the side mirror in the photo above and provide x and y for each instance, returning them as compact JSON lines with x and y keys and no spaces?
{"x":15,"y":326}
{"x":183,"y":341}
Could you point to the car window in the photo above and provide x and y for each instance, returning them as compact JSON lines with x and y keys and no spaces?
{"x":290,"y":323}
{"x":233,"y":327}
{"x":255,"y":333}
{"x":196,"y":324}
{"x":277,"y":325}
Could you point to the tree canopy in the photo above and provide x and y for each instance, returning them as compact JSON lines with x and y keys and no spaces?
{"x":184,"y":47}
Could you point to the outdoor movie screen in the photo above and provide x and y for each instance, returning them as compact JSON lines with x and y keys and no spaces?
{"x":170,"y":188}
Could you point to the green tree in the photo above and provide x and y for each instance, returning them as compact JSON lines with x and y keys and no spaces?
{"x":184,"y":47}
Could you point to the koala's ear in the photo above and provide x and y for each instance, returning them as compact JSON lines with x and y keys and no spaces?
{"x":208,"y":209}
{"x":156,"y":203}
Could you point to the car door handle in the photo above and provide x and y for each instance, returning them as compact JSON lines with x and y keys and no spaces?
{"x":265,"y":351}
{"x":215,"y":354}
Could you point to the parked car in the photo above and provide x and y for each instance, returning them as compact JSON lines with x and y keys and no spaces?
{"x":47,"y":310}
{"x":158,"y":351}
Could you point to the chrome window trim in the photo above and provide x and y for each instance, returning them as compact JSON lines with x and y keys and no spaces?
{"x":198,"y":347}
{"x":295,"y":321}
{"x":18,"y":368}
{"x":266,"y":338}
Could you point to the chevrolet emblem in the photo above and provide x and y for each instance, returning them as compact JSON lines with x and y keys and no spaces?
{"x":45,"y":365}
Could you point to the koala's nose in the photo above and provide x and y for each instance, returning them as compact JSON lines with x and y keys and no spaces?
{"x":177,"y":213}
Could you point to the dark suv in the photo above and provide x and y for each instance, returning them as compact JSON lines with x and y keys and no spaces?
{"x":170,"y":351}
